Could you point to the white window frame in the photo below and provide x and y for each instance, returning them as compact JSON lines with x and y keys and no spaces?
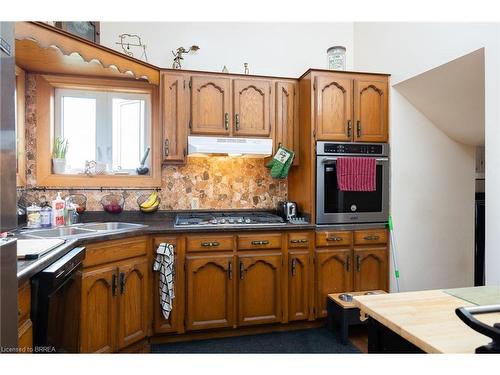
{"x":104,"y":121}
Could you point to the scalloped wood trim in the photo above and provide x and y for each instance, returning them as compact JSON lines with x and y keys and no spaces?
{"x":69,"y":54}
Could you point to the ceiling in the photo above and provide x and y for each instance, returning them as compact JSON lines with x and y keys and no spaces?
{"x":452,"y":97}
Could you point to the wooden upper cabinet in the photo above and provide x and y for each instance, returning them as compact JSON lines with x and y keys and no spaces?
{"x":98,"y":310}
{"x":210,"y":105}
{"x":298,"y":285}
{"x":251,"y":103}
{"x":333,"y":275}
{"x":333,"y":107}
{"x":133,"y":289}
{"x":287,"y":120}
{"x":371,"y":111}
{"x":174,"y":117}
{"x":209,"y":288}
{"x":371,"y":269}
{"x":259,"y":288}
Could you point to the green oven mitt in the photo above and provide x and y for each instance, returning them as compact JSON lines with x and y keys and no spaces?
{"x":281,"y":162}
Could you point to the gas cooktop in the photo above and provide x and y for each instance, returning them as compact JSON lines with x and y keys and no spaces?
{"x":227,"y":219}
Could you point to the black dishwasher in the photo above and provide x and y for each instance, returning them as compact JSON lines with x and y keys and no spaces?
{"x":55,"y":305}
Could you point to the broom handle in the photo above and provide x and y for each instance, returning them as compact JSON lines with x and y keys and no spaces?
{"x":393,"y":251}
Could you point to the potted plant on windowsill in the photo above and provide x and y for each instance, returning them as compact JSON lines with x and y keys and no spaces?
{"x":59,"y":155}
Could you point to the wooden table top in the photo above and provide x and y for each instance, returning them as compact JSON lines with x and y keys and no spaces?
{"x":427,"y":319}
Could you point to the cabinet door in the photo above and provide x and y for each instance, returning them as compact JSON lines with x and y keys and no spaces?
{"x":133,"y":287}
{"x":98,"y":310}
{"x":259,"y":289}
{"x":333,"y":108}
{"x":174,"y":321}
{"x":287,"y":109}
{"x":210,"y":291}
{"x":210,"y":105}
{"x":371,"y":269}
{"x":175,"y":122}
{"x":371,"y":111}
{"x":298,"y":285}
{"x":333,"y":275}
{"x":251,"y":101}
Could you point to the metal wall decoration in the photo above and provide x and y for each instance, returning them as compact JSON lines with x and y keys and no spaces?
{"x":178,"y":55}
{"x":245,"y":65}
{"x":132,"y":40}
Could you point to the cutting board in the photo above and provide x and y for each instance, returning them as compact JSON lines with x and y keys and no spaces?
{"x":33,"y":249}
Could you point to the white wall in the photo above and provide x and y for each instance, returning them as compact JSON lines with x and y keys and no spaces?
{"x":432,"y":193}
{"x":280,"y":49}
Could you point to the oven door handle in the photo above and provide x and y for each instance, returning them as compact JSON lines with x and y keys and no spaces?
{"x":331,"y":160}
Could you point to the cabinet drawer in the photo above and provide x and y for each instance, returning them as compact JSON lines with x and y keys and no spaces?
{"x":298,"y":240}
{"x":338,"y":238}
{"x":370,"y":236}
{"x":259,"y":241}
{"x":24,"y":302}
{"x":112,"y":251}
{"x":209,"y":243}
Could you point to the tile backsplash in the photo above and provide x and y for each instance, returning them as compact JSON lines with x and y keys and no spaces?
{"x":217,"y":182}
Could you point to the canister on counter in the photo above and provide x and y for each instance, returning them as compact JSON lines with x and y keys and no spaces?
{"x":33,"y":216}
{"x":46,"y":214}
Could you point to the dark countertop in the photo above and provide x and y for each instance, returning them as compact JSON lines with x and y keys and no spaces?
{"x":158,"y":223}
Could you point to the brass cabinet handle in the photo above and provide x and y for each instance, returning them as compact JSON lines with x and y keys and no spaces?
{"x":358,"y":263}
{"x":334,"y":238}
{"x":242,"y":269}
{"x":122,"y":282}
{"x":210,"y":244}
{"x":263,"y":242}
{"x":113,"y":284}
{"x":349,"y":128}
{"x":299,"y":241}
{"x":166,"y":148}
{"x":293,"y":266}
{"x":230,"y":270}
{"x":371,"y":237}
{"x":226,"y":121}
{"x":237,"y":121}
{"x":347,"y":263}
{"x":358,"y":128}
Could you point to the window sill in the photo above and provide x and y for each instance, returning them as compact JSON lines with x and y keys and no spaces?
{"x":83,"y":181}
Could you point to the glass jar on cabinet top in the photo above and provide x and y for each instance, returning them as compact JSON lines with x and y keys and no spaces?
{"x":336,"y":58}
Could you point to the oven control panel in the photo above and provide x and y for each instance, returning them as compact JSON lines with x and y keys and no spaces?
{"x":361,"y":149}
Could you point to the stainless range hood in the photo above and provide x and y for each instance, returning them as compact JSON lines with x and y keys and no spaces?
{"x":248,"y":147}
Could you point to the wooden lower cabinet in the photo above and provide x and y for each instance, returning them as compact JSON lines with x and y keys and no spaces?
{"x":333,"y":275}
{"x":24,"y":323}
{"x":259,"y":288}
{"x":298,"y":285}
{"x":210,"y":291}
{"x":371,"y":268}
{"x":98,"y":314}
{"x":114,"y":305}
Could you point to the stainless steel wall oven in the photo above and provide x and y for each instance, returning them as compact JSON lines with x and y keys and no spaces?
{"x":334,"y":206}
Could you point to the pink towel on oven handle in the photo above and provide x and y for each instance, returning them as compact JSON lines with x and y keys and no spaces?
{"x":356,"y":174}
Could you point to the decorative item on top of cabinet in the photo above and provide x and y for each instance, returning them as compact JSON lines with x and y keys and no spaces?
{"x":252,"y":107}
{"x":210,"y":105}
{"x":174,"y":101}
{"x":259,"y":288}
{"x":371,"y":106}
{"x":333,"y":275}
{"x":287,"y":121}
{"x":178,"y":55}
{"x":210,"y":281}
{"x":333,"y":107}
{"x":370,"y":268}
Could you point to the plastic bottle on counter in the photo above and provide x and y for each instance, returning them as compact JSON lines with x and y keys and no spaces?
{"x":33,"y":217}
{"x":58,"y":211}
{"x":46,"y":215}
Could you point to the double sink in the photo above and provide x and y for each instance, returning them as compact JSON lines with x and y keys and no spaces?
{"x":83,"y":230}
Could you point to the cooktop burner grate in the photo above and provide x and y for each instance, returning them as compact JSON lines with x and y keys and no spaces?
{"x":227,"y":218}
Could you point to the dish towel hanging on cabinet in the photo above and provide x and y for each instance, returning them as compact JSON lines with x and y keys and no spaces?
{"x":164,"y":263}
{"x":356,"y":174}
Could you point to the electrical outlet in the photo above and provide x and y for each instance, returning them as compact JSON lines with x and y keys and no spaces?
{"x":195,"y":203}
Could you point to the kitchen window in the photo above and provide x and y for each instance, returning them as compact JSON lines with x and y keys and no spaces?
{"x":110,"y":124}
{"x":109,"y":128}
